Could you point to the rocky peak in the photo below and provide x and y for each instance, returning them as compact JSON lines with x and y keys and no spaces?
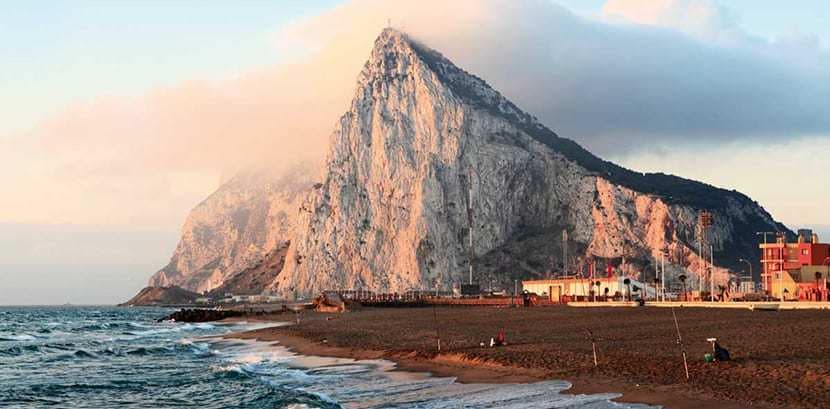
{"x":395,"y":55}
{"x":394,"y":51}
{"x":390,"y":212}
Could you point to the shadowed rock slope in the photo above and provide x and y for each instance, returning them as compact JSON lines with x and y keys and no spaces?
{"x":236,"y":228}
{"x":149,"y":296}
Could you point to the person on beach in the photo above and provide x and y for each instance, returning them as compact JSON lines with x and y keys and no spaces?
{"x":499,"y":341}
{"x":721,"y":353}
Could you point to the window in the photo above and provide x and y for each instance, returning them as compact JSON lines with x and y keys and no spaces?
{"x":805,"y":252}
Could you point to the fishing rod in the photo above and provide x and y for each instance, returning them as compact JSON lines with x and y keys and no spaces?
{"x":680,"y":342}
{"x":435,"y":322}
{"x":593,"y":345}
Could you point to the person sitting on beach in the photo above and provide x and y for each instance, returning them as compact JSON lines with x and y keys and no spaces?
{"x":500,"y":341}
{"x":721,"y":353}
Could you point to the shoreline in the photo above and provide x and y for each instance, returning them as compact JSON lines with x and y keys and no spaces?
{"x":470,"y":370}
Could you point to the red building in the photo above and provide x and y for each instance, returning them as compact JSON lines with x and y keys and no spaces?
{"x":790,"y":259}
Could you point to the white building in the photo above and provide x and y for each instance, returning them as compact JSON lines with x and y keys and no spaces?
{"x":585,"y":288}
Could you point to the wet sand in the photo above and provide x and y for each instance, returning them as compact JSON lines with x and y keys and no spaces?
{"x":780,"y":359}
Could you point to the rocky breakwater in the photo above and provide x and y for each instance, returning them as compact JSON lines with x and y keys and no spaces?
{"x":202,"y":315}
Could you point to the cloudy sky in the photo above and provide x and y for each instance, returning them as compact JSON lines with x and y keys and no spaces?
{"x":118,"y":117}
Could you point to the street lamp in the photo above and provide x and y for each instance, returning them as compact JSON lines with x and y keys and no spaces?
{"x":712,"y":272}
{"x":750,"y":270}
{"x":663,"y":273}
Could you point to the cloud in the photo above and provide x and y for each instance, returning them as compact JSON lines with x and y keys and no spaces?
{"x":146,"y":160}
{"x":653,"y":75}
{"x":684,"y":71}
{"x":701,"y":18}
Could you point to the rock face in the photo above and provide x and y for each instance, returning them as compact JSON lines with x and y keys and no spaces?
{"x":391,"y":212}
{"x":241,"y":226}
{"x":255,"y":279}
{"x":421,"y":143}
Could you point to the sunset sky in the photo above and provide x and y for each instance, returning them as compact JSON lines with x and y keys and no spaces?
{"x":119,"y":117}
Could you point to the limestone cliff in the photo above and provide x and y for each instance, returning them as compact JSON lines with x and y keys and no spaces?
{"x":391,"y":211}
{"x":238,"y":228}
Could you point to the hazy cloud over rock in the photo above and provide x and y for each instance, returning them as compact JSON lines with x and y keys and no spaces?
{"x":641,"y":74}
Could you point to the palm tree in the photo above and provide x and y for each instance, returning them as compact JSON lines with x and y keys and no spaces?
{"x":627,"y":283}
{"x":682,"y":279}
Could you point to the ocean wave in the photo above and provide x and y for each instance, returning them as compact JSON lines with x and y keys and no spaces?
{"x":150,"y":351}
{"x":197,"y":326}
{"x":341,"y":370}
{"x":77,"y":354}
{"x":157,"y":330}
{"x":22,"y":337}
{"x":84,"y":354}
{"x":149,"y":332}
{"x":92,"y":327}
{"x":200,"y":349}
{"x":236,"y":368}
{"x":18,"y":350}
{"x":60,"y":346}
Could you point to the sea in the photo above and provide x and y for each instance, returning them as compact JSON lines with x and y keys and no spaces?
{"x":106,"y":357}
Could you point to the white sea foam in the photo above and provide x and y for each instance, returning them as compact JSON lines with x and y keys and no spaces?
{"x":371,"y":384}
{"x":17,"y":337}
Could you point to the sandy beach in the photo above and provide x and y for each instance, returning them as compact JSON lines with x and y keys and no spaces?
{"x":780,"y":359}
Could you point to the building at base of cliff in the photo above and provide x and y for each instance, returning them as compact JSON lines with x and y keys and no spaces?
{"x":561,"y":290}
{"x":796,"y":271}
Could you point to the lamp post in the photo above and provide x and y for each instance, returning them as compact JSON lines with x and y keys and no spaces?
{"x":712,"y":272}
{"x":702,"y":271}
{"x":656,"y":279}
{"x":750,"y":270}
{"x":663,"y":274}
